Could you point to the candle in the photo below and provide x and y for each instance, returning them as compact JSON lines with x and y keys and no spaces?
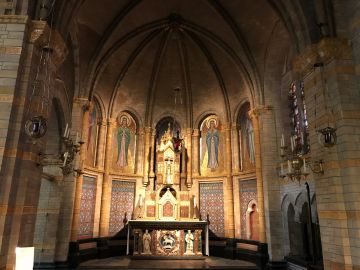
{"x":77,"y":137}
{"x":289,"y":166}
{"x":68,"y":133}
{"x":65,"y":158}
{"x":302,"y":138}
{"x":66,"y":128}
{"x":282,"y":140}
{"x":194,"y":201}
{"x":304,"y":161}
{"x":282,"y":169}
{"x":292,"y":143}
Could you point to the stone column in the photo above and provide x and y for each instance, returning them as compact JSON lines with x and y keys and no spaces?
{"x":140,"y":151}
{"x":79,"y":178}
{"x":100,"y":156}
{"x":196,"y":154}
{"x":235,"y":144}
{"x":106,"y":186}
{"x":335,"y":89}
{"x":189,"y":157}
{"x":228,"y":192}
{"x":254,"y":115}
{"x":147,"y":156}
{"x":152,"y":156}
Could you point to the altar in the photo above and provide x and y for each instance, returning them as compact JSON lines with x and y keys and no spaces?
{"x":168,"y":238}
{"x":166,"y":223}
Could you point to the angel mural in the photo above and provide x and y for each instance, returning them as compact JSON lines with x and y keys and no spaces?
{"x":210,"y":143}
{"x":124,"y":136}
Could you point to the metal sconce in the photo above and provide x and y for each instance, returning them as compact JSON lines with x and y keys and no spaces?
{"x":327,"y":136}
{"x":297,"y":165}
{"x":66,"y":158}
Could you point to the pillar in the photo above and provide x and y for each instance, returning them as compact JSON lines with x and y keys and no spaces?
{"x":79,"y":177}
{"x":235,"y":144}
{"x":337,"y":105}
{"x":100,"y":156}
{"x":189,"y":157}
{"x":259,"y":177}
{"x":146,"y":156}
{"x":228,"y":192}
{"x":196,"y":154}
{"x":107,"y":181}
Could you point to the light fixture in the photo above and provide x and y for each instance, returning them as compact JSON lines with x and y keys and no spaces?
{"x":297,"y":164}
{"x":66,"y":158}
{"x":326,"y":136}
{"x":36,"y":127}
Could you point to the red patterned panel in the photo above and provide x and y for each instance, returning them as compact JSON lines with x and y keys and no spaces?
{"x":150,"y":211}
{"x":87,"y":207}
{"x":168,"y":210}
{"x":122,"y":203}
{"x":212,"y":204}
{"x":184,"y":211}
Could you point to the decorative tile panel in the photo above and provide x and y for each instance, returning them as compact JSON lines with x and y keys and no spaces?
{"x":212,"y":203}
{"x":87,"y":207}
{"x":122,"y":202}
{"x":247,"y":193}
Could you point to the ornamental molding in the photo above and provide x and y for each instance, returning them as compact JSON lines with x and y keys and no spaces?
{"x":326,"y":50}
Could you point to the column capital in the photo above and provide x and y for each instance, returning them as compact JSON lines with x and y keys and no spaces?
{"x":257,"y":111}
{"x":324,"y":51}
{"x":196,"y":132}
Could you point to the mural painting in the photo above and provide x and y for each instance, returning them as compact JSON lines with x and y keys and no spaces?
{"x":124,"y":143}
{"x":211,"y":145}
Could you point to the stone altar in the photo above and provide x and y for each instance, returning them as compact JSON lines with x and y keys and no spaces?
{"x":167,"y":222}
{"x":168,"y":238}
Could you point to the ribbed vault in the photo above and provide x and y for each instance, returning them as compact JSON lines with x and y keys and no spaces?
{"x":134,"y":53}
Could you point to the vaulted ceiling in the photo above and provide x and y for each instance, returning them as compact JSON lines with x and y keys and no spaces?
{"x":132,"y":54}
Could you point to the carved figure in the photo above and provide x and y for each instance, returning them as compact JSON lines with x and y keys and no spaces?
{"x":189,"y":239}
{"x":147,"y":242}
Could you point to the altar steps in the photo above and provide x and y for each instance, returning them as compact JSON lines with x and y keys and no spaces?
{"x":129,"y":263}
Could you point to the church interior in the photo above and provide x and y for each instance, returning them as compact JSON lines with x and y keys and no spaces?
{"x":179,"y":133}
